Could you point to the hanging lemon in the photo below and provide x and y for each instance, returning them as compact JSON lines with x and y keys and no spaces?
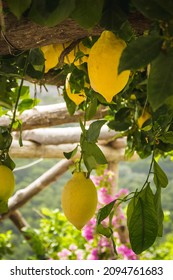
{"x":103,"y":65}
{"x":71,"y":56}
{"x":79,"y":199}
{"x":77,"y":98}
{"x":51,"y":55}
{"x":53,"y":52}
{"x":143,"y":118}
{"x":7,"y":183}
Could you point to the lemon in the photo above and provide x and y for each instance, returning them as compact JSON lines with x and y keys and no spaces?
{"x":51,"y":55}
{"x":103,"y":65}
{"x":77,"y":98}
{"x":70,"y":57}
{"x":7,"y":183}
{"x":53,"y":52}
{"x":79,"y":199}
{"x":143,"y":118}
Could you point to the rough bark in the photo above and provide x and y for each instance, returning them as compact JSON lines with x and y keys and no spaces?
{"x":25,"y":34}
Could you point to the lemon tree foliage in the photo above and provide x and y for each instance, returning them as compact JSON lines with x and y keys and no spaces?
{"x":131,"y":74}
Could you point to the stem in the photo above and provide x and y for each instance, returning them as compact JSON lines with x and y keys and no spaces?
{"x":84,"y":124}
{"x":149,"y":171}
{"x":16,"y":105}
{"x":18,"y":94}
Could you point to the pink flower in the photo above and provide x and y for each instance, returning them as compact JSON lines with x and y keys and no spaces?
{"x":93,"y":255}
{"x":104,"y":197}
{"x":64,"y":254}
{"x":79,"y":254}
{"x":122,"y":193}
{"x":126,"y":252}
{"x":96,"y":180}
{"x":72,"y":247}
{"x":88,"y":230}
{"x":104,"y":242}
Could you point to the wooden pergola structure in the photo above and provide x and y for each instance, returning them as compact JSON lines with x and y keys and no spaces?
{"x":44,"y":137}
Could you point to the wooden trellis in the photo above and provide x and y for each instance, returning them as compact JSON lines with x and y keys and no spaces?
{"x":44,"y":137}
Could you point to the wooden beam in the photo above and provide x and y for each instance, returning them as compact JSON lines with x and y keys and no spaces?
{"x":62,"y":135}
{"x":35,"y":150}
{"x":49,"y":115}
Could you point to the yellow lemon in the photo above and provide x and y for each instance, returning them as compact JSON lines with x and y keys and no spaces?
{"x":70,"y":57}
{"x":7,"y":183}
{"x":143,"y":118}
{"x":79,"y":199}
{"x":51,"y":55}
{"x":103,"y":65}
{"x":77,"y":98}
{"x":53,"y":52}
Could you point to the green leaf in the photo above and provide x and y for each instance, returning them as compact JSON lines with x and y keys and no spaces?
{"x":104,"y":212}
{"x":105,"y":231}
{"x":71,"y":154}
{"x":153,"y":9}
{"x":5,"y":138}
{"x":160,"y":178}
{"x":26,"y":104}
{"x":140,"y":52}
{"x":36,"y":57}
{"x":18,"y":7}
{"x":94,"y":130}
{"x":3,"y":206}
{"x":131,"y":207}
{"x":160,"y":214}
{"x":90,"y":162}
{"x":91,"y":149}
{"x":119,"y":125}
{"x":51,"y":13}
{"x":35,"y":72}
{"x":71,"y":106}
{"x":114,"y":17}
{"x":91,"y":109}
{"x":87,"y":12}
{"x":9,"y":162}
{"x":167,"y":137}
{"x":143,"y":227}
{"x":160,"y":86}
